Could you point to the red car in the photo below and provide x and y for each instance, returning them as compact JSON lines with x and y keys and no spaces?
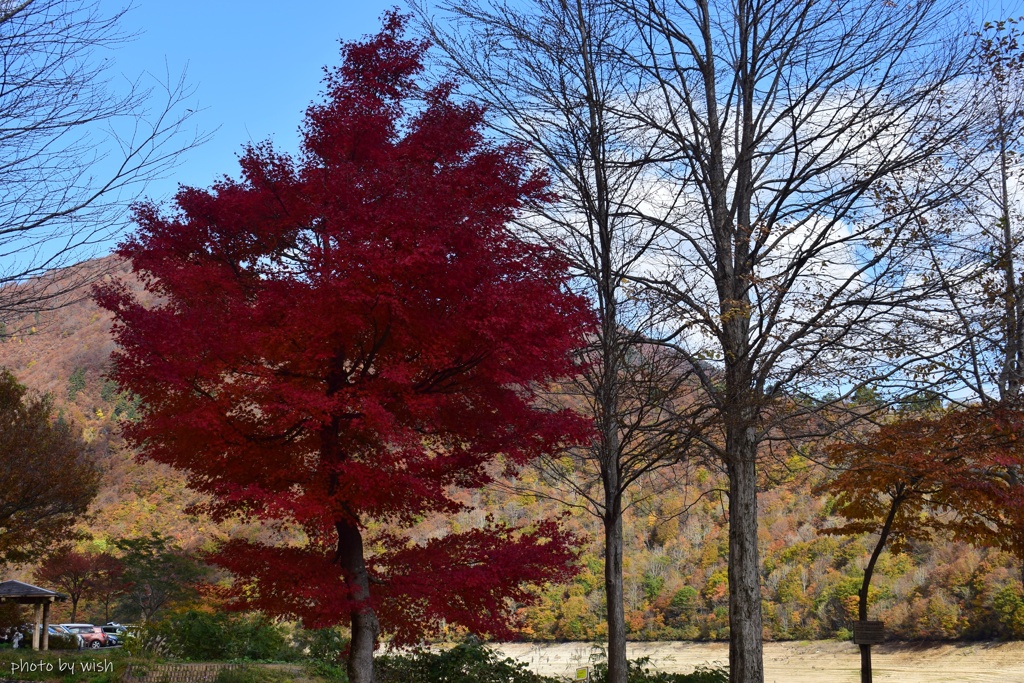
{"x":92,"y":636}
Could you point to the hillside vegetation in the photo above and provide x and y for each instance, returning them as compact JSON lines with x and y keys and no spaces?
{"x":676,"y":577}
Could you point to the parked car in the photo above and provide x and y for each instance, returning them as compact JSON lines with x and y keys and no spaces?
{"x":116,"y":632}
{"x":92,"y":636}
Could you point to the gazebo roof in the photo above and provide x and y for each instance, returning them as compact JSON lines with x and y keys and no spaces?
{"x":18,"y":591}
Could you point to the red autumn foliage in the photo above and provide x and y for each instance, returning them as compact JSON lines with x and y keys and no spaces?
{"x":951,"y":472}
{"x":466,"y":578}
{"x":957,"y":472}
{"x":343,"y":338}
{"x":79,"y":574}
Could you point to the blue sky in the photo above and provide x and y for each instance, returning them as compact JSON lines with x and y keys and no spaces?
{"x":255,"y":66}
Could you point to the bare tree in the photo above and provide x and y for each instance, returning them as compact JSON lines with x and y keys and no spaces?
{"x":75,"y":148}
{"x":552,"y":74}
{"x":785,"y":126}
{"x":976,"y":249}
{"x":1002,"y":61}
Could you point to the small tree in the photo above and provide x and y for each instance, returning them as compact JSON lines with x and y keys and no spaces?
{"x":156,"y":573}
{"x":76,"y":573}
{"x":46,"y":480}
{"x":346,"y":337}
{"x":76,"y":382}
{"x":919,"y":475}
{"x":109,"y":583}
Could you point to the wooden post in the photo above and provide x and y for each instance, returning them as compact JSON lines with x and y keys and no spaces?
{"x":35,"y":626}
{"x":865,"y":634}
{"x":865,"y":663}
{"x":46,"y":624}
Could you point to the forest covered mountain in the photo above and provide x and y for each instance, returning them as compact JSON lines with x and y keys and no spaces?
{"x":675,"y":561}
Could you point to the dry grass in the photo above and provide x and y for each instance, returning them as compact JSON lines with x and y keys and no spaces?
{"x":809,"y":662}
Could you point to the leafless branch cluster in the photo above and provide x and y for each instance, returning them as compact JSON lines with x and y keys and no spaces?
{"x":76,"y":145}
{"x":747,"y":187}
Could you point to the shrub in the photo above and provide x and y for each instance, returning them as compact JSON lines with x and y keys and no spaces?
{"x":325,"y":645}
{"x":145,"y":642}
{"x":203,"y":636}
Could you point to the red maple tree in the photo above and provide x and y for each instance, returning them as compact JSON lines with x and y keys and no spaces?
{"x":77,"y":573}
{"x":346,"y":337}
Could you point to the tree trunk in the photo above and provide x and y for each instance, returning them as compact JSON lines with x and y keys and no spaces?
{"x":610,"y":477}
{"x":745,"y":630}
{"x":1010,"y":379}
{"x":869,"y":571}
{"x":365,"y":626}
{"x":614,"y":596}
{"x":865,"y":663}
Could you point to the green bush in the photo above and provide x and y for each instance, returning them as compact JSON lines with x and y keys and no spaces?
{"x":327,"y":671}
{"x":474,"y":663}
{"x":325,"y":645}
{"x":76,"y":382}
{"x":203,"y":636}
{"x":62,"y":642}
{"x":465,"y":663}
{"x":1008,"y":605}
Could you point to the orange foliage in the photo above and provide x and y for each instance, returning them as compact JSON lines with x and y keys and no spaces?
{"x":955,"y":472}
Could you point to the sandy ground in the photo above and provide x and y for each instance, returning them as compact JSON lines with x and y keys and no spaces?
{"x":807,"y":662}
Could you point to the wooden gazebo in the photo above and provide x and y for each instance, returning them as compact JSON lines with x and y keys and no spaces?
{"x":27,"y":594}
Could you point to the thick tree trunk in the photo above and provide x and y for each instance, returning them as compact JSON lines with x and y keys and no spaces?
{"x":613,"y":592}
{"x":745,"y":647}
{"x":610,"y":476}
{"x":365,"y":626}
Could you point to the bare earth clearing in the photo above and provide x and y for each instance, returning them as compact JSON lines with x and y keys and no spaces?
{"x":807,"y":662}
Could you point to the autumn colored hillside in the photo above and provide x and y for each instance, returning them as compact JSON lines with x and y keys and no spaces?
{"x":66,"y":353}
{"x":676,"y":578}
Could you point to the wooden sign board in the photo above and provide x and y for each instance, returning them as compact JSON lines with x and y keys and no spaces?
{"x":868,"y":632}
